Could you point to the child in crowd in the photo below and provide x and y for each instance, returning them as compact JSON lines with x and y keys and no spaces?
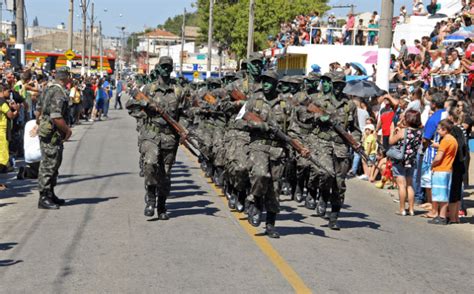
{"x":442,"y":168}
{"x":370,"y":148}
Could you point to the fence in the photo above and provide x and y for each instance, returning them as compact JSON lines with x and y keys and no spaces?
{"x":332,"y":30}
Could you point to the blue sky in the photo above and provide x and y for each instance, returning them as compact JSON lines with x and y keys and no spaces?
{"x":137,"y":14}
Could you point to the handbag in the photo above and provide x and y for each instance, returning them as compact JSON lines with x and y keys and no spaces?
{"x":395,"y":153}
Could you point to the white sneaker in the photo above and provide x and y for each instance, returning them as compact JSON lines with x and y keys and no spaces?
{"x":363,"y":177}
{"x":91,"y":120}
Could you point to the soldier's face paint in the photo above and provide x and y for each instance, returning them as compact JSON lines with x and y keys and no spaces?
{"x":255,"y":68}
{"x":294,"y":88}
{"x":327,"y":86}
{"x":268,"y":86}
{"x":311,"y":85}
{"x":338,"y":88}
{"x":165,"y":70}
{"x":283,"y":88}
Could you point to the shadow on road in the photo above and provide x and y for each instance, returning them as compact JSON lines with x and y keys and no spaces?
{"x":80,"y":201}
{"x":5,"y":247}
{"x":9,"y":262}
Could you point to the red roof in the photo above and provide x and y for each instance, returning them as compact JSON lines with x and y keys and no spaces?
{"x":161,"y":33}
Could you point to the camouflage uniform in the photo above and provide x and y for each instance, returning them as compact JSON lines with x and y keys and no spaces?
{"x":159,"y":141}
{"x":53,"y":105}
{"x":331,"y":151}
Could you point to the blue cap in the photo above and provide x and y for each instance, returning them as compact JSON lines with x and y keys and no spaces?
{"x":316,"y":68}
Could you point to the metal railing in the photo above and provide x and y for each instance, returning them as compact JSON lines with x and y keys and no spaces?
{"x":353,"y":35}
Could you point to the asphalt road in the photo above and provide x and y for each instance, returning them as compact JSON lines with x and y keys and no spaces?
{"x":100,"y":242}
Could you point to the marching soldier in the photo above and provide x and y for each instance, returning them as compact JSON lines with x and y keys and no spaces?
{"x":237,"y":138}
{"x":332,"y":151}
{"x":53,"y":130}
{"x":266,"y":153}
{"x":160,"y":141}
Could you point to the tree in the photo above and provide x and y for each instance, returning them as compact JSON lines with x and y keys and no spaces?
{"x":35,"y":22}
{"x":173,"y":25}
{"x":231,"y":20}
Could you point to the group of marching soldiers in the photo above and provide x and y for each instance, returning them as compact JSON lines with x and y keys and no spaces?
{"x":257,"y":136}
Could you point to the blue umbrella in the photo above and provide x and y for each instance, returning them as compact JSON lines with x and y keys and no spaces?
{"x":359,"y":67}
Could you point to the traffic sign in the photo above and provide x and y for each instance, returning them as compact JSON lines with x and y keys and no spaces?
{"x":70,"y":54}
{"x":196,"y":74}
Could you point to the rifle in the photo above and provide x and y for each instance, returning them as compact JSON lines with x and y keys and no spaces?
{"x":191,"y":145}
{"x":346,"y":137}
{"x":294,"y":143}
{"x":237,"y":95}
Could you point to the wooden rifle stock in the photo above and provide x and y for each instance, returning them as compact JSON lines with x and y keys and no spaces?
{"x":237,"y":95}
{"x":191,"y":145}
{"x":346,"y":137}
{"x":210,"y":99}
{"x":294,"y":143}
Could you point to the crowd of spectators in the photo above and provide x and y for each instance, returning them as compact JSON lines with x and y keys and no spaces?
{"x":312,"y":29}
{"x":21,"y":90}
{"x":426,"y":117}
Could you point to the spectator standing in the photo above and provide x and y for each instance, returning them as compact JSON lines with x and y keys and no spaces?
{"x":385,"y":122}
{"x":119,"y":88}
{"x":459,"y":168}
{"x":407,"y":137}
{"x":359,"y":39}
{"x":75,"y":95}
{"x":100,"y":98}
{"x":403,"y":15}
{"x":332,"y":23}
{"x":372,"y":32}
{"x":442,"y":167}
{"x":430,"y":136}
{"x":370,"y":148}
{"x":8,"y":111}
{"x":88,"y":100}
{"x":350,"y":24}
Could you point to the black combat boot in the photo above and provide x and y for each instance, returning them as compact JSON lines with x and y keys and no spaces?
{"x":232,"y":200}
{"x":333,"y":225}
{"x":150,"y":201}
{"x":161,"y":209}
{"x":218,"y":176}
{"x":309,"y":202}
{"x":321,"y":208}
{"x":209,"y":170}
{"x":298,"y":194}
{"x":270,"y":230}
{"x":240,"y":201}
{"x":56,"y":199}
{"x":46,"y":201}
{"x":254,"y":214}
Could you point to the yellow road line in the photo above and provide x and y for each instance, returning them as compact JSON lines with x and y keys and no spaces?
{"x":262,"y":242}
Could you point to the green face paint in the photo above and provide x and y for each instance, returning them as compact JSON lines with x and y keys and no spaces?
{"x":255,"y":68}
{"x":165,"y":70}
{"x":327,"y":86}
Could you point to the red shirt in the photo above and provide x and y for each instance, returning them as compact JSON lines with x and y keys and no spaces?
{"x":386,"y":119}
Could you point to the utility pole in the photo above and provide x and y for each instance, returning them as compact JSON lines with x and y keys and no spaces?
{"x":91,"y":39}
{"x":20,"y":29}
{"x":101,"y":49}
{"x":181,"y":57}
{"x":70,"y":25}
{"x":250,"y":32}
{"x":1,"y":21}
{"x":385,"y":44}
{"x":84,"y":5}
{"x":209,"y":38}
{"x":148,"y":54}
